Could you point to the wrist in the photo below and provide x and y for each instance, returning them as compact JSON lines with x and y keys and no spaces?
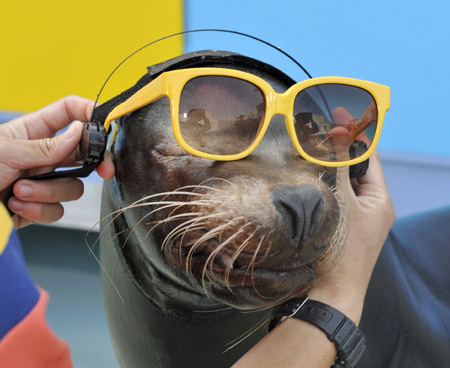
{"x":338,"y":327}
{"x":347,"y":299}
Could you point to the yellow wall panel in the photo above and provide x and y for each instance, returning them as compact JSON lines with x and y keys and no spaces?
{"x":52,"y":48}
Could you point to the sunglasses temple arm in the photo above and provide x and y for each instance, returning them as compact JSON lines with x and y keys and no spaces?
{"x":367,"y":118}
{"x":146,"y":95}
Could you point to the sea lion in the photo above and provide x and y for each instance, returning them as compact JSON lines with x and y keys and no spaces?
{"x":191,"y":244}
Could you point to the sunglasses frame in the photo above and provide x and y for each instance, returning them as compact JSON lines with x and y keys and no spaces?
{"x":171,"y":84}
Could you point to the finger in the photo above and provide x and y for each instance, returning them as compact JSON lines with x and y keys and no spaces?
{"x":39,"y":170}
{"x":26,"y":154}
{"x":20,"y":222}
{"x":35,"y":212}
{"x":340,"y":139}
{"x":47,"y":121}
{"x":106,"y":169}
{"x":49,"y":191}
{"x":344,"y":184}
{"x":373,"y":184}
{"x":374,"y":174}
{"x":343,"y":118}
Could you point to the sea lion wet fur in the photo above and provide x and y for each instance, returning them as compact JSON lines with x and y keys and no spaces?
{"x":192,"y":245}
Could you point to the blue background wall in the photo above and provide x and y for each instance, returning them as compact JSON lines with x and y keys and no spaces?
{"x":404,"y":44}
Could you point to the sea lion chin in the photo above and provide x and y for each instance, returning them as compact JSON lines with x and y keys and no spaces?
{"x":247,"y":233}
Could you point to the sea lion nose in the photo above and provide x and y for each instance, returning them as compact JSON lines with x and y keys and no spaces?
{"x":300,"y":207}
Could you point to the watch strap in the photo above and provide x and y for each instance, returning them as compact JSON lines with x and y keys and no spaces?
{"x":339,"y":329}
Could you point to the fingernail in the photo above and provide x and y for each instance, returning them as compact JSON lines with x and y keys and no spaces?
{"x":71,"y":130}
{"x":25,"y":190}
{"x":15,"y":205}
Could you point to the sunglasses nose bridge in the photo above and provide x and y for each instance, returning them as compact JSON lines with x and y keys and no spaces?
{"x":281,"y":104}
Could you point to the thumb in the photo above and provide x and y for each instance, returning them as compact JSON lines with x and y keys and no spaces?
{"x":27,"y":154}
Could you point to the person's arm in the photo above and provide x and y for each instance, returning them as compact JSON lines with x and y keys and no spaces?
{"x":295,"y":343}
{"x":28,"y":146}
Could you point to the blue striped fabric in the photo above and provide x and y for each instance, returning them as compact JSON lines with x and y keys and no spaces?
{"x":18,"y":293}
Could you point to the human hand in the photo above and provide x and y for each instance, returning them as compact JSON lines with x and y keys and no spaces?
{"x":29,"y":146}
{"x":371,"y":216}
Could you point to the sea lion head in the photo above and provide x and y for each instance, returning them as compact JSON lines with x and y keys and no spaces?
{"x":248,"y":233}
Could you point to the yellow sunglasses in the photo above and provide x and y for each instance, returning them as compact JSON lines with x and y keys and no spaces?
{"x":222,"y":114}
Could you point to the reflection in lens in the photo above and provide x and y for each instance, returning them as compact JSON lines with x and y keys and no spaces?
{"x":220,"y":115}
{"x":330,"y":117}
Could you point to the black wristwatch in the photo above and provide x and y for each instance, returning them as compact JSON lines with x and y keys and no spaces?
{"x":348,"y":339}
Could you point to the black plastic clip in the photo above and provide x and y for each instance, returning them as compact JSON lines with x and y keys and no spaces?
{"x":92,"y":145}
{"x":357,"y":149}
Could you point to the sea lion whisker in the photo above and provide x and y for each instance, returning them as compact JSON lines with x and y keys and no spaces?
{"x":262,"y":309}
{"x":187,"y":215}
{"x":117,"y":213}
{"x":216,"y":229}
{"x":193,"y":225}
{"x":324,"y":140}
{"x":194,"y":203}
{"x":213,"y":254}
{"x":91,"y":248}
{"x":225,"y":180}
{"x":212,"y":310}
{"x":197,"y":186}
{"x":184,"y":230}
{"x":167,"y":238}
{"x":208,"y":235}
{"x":211,"y":233}
{"x":221,"y":227}
{"x":252,"y":264}
{"x":200,"y":226}
{"x":109,"y":278}
{"x":249,"y":332}
{"x":249,"y":265}
{"x":157,"y":224}
{"x":181,"y":190}
{"x":197,"y":244}
{"x":263,"y":258}
{"x":236,"y":219}
{"x":164,"y":194}
{"x":169,"y":205}
{"x":167,"y":220}
{"x":237,"y":253}
{"x":116,"y":289}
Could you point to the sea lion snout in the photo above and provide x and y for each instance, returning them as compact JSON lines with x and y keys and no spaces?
{"x":301,"y":207}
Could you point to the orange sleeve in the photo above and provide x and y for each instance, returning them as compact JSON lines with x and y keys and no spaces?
{"x":32,"y":343}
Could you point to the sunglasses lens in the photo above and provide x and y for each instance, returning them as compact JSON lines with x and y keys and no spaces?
{"x":329,"y":118}
{"x":220,"y":115}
